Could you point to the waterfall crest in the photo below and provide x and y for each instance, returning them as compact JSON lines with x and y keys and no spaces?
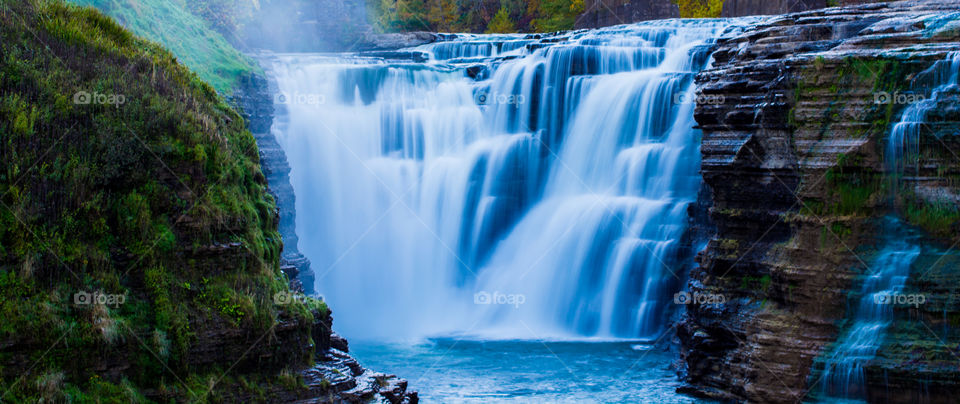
{"x":513,"y":186}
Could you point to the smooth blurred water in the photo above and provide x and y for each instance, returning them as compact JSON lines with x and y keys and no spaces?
{"x":844,"y":370}
{"x":469,"y":371}
{"x":903,"y":147}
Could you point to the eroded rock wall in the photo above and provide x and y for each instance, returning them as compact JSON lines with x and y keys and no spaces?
{"x":794,"y":160}
{"x":742,"y":8}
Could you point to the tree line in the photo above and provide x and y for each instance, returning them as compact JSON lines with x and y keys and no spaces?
{"x":491,"y":16}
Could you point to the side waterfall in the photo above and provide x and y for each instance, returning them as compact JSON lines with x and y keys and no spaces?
{"x":844,"y":370}
{"x":514,"y":186}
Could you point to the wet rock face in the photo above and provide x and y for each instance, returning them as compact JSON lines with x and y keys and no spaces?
{"x":336,"y":377}
{"x":256,"y":101}
{"x":791,"y":131}
{"x":396,"y":40}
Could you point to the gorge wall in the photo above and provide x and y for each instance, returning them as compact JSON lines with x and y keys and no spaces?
{"x":741,"y":8}
{"x":603,"y":13}
{"x":255,"y":99}
{"x":794,"y":161}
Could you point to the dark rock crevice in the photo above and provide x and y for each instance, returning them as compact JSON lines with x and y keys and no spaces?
{"x":255,"y":99}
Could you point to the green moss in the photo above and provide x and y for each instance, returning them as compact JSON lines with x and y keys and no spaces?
{"x":756,"y":283}
{"x":852,"y":187}
{"x":126,"y":199}
{"x":939,"y":219}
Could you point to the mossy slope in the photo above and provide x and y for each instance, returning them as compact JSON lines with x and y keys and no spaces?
{"x":190,"y":38}
{"x":157,"y":201}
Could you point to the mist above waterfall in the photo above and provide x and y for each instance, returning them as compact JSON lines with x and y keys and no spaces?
{"x":303,"y":25}
{"x":510,"y":187}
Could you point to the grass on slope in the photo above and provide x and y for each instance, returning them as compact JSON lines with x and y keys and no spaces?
{"x":121,"y":169}
{"x":189,"y":37}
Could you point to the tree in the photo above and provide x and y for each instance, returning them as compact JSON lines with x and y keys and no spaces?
{"x":699,"y":8}
{"x":383,"y":15}
{"x":501,"y":23}
{"x":412,"y":15}
{"x":555,"y":15}
{"x":443,"y":16}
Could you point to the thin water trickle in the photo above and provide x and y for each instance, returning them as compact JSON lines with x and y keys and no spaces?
{"x":844,"y":370}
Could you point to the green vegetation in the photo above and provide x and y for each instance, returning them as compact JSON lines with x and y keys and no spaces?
{"x":193,"y":30}
{"x":853,"y":189}
{"x":554,"y":15}
{"x":699,"y":8}
{"x":129,"y":178}
{"x":501,"y":23}
{"x":757,"y":283}
{"x":496,"y":16}
{"x":940,"y":219}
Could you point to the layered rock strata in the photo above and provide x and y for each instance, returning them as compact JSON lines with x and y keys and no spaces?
{"x":795,"y":130}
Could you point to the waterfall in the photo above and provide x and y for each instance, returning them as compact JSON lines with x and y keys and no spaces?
{"x":513,"y":186}
{"x":844,"y":368}
{"x":904,"y":144}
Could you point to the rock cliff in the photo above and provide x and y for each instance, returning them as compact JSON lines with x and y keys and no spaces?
{"x":742,"y":8}
{"x":794,"y":140}
{"x":254,"y":97}
{"x":604,"y":13}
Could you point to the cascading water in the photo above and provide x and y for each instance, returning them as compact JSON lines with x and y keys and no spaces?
{"x":844,"y":369}
{"x":512,"y":187}
{"x":844,"y":372}
{"x":903,"y":145}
